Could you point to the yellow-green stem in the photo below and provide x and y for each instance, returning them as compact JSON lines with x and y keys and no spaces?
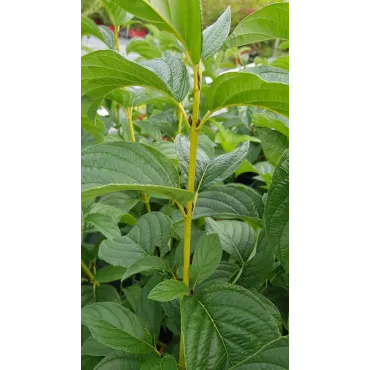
{"x":146,"y":202}
{"x":116,"y":36}
{"x":130,"y":124}
{"x":179,"y":127}
{"x":87,"y":271}
{"x":194,"y":133}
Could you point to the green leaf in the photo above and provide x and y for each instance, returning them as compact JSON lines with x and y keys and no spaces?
{"x":89,"y":362}
{"x":124,"y":201}
{"x":209,"y":172}
{"x":165,"y":363}
{"x":274,"y":144}
{"x":151,"y":230}
{"x":271,"y":74}
{"x":117,"y":327}
{"x":105,"y":70}
{"x":264,"y":120}
{"x":149,"y":263}
{"x":222,"y":325}
{"x":172,"y":310}
{"x":207,"y":256}
{"x":240,"y":88}
{"x":103,"y":293}
{"x":282,"y":62}
{"x":89,"y":27}
{"x":104,"y":224}
{"x":230,"y":201}
{"x":168,"y":290}
{"x":173,"y":72}
{"x":269,"y":22}
{"x":118,"y":16}
{"x":258,"y":268}
{"x":122,"y":360}
{"x":274,"y":311}
{"x":215,"y":35}
{"x":96,"y":129}
{"x":237,"y":238}
{"x":111,"y":167}
{"x":125,"y":98}
{"x":143,"y":48}
{"x":277,"y":211}
{"x":109,"y":273}
{"x":273,"y":356}
{"x":92,"y":347}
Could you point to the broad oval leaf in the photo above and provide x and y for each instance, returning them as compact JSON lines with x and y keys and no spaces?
{"x":92,"y":347}
{"x":111,"y":167}
{"x":164,"y":363}
{"x":240,"y":88}
{"x":277,"y":211}
{"x":122,"y":360}
{"x":269,"y":22}
{"x":237,"y":238}
{"x":151,"y":230}
{"x":96,"y":129}
{"x":143,"y":48}
{"x":89,"y":362}
{"x":282,"y":62}
{"x":104,"y":224}
{"x":89,"y":27}
{"x":215,"y":35}
{"x":168,"y":290}
{"x":109,"y":273}
{"x":271,"y":74}
{"x":273,"y":356}
{"x":105,"y":70}
{"x":222,"y":325}
{"x":117,"y":15}
{"x":117,"y":327}
{"x":265,"y":120}
{"x":173,"y":72}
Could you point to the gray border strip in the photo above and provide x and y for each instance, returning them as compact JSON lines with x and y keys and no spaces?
{"x":292,"y":313}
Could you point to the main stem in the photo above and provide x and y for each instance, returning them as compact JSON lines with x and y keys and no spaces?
{"x":116,"y":36}
{"x":191,"y":180}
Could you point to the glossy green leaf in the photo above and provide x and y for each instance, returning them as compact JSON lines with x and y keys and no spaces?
{"x":207,"y":256}
{"x":165,"y":363}
{"x":237,"y":238}
{"x":124,"y":97}
{"x":121,"y":360}
{"x":168,"y":290}
{"x":89,"y":27}
{"x":153,"y":229}
{"x":222,"y":325}
{"x":105,"y":70}
{"x":92,"y":347}
{"x":118,"y":16}
{"x":117,"y":327}
{"x":282,"y":62}
{"x":215,"y":35}
{"x":109,"y":273}
{"x":143,"y":48}
{"x":96,"y":129}
{"x":111,"y":167}
{"x":104,"y":224}
{"x":173,"y":72}
{"x":274,"y":144}
{"x":274,"y":311}
{"x":230,"y":201}
{"x":240,"y":88}
{"x":269,"y":22}
{"x":273,"y":356}
{"x":277,"y":211}
{"x":271,"y":74}
{"x":264,"y":120}
{"x":148,"y":263}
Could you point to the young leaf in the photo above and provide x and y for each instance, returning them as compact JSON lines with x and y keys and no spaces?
{"x":89,"y":27}
{"x":168,"y":290}
{"x":269,"y":22}
{"x":117,"y":15}
{"x":207,"y":256}
{"x":237,"y":238}
{"x":149,"y":263}
{"x":122,"y":360}
{"x":274,"y":144}
{"x":217,"y":337}
{"x":165,"y":363}
{"x":104,"y":224}
{"x":277,"y":211}
{"x":111,"y":167}
{"x":109,"y":273}
{"x":117,"y":327}
{"x":282,"y":62}
{"x":240,"y":88}
{"x":273,"y":356}
{"x":143,"y":48}
{"x":264,"y":120}
{"x":153,"y":229}
{"x":173,"y":72}
{"x":105,"y":70}
{"x":215,"y":35}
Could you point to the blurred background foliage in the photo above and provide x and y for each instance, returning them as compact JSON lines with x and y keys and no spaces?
{"x":212,"y":9}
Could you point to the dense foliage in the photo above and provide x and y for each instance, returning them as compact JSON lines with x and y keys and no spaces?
{"x":185,"y":192}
